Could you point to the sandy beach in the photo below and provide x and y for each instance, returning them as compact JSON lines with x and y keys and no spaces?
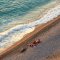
{"x":31,"y":27}
{"x":16,"y":33}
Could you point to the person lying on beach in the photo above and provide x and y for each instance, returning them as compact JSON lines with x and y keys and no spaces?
{"x":34,"y":43}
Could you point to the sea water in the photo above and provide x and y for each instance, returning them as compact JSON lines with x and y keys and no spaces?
{"x":14,"y":10}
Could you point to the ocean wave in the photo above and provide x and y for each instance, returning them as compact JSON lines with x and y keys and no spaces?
{"x":12,"y":10}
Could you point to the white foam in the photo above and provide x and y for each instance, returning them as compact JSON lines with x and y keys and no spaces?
{"x":53,"y":13}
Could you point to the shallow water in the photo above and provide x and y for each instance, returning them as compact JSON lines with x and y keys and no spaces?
{"x":13,"y":10}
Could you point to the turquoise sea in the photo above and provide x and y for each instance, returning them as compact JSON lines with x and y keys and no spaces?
{"x":12,"y":10}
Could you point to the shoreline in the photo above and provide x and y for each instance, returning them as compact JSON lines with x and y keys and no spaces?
{"x":33,"y":25}
{"x":30,"y":35}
